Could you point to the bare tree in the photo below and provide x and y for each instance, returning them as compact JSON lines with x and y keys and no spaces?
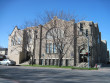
{"x":32,"y":23}
{"x":23,"y":39}
{"x":49,"y":15}
{"x":58,"y":37}
{"x":61,"y":39}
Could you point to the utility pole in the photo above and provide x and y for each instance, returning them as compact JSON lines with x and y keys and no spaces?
{"x":88,"y":45}
{"x":88,"y":51}
{"x":86,"y":34}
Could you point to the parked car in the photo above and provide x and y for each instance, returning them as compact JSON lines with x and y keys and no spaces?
{"x":7,"y":62}
{"x":2,"y":57}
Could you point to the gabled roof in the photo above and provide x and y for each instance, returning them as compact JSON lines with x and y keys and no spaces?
{"x":14,"y":29}
{"x":55,"y":18}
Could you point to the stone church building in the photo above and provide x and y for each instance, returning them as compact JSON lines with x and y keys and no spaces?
{"x":58,"y":40}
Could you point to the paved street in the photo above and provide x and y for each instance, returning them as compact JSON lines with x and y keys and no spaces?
{"x":20,"y":74}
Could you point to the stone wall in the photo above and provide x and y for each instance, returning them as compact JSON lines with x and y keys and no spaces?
{"x":104,"y":51}
{"x":34,"y":41}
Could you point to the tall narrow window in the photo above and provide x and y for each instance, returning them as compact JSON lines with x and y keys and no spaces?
{"x":59,"y":48}
{"x":81,"y":27}
{"x":54,"y":48}
{"x":14,"y":39}
{"x":30,"y":39}
{"x":47,"y":48}
{"x":12,"y":43}
{"x":86,"y":32}
{"x":50,"y":48}
{"x":98,"y":40}
{"x":19,"y":40}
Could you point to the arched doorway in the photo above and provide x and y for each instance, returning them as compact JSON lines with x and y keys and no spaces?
{"x":83,"y":55}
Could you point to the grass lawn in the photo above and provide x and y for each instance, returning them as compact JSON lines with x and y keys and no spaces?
{"x":69,"y":67}
{"x":84,"y":68}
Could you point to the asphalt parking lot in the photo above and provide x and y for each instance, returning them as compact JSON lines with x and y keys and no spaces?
{"x":21,"y":74}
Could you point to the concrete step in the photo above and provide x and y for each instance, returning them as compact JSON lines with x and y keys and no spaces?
{"x":25,"y":63}
{"x":83,"y":64}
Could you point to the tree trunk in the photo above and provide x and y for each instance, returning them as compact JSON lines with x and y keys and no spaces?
{"x":60,"y":62}
{"x":75,"y":43}
{"x":32,"y":59}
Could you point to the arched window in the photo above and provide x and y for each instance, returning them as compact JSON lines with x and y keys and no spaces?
{"x":55,"y":33}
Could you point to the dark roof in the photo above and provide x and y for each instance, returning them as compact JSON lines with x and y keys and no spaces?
{"x":2,"y":49}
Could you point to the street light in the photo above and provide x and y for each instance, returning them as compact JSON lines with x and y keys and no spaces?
{"x":88,"y":44}
{"x":88,"y":51}
{"x":86,"y":34}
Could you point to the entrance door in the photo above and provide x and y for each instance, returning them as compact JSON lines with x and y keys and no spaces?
{"x":83,"y":55}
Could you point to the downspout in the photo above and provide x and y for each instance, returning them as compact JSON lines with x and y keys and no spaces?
{"x":75,"y":43}
{"x":40,"y":45}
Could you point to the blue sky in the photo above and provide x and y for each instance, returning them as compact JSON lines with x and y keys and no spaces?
{"x":16,"y":12}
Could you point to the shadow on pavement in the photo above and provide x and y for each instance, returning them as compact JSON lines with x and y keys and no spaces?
{"x":17,"y":65}
{"x":18,"y":75}
{"x":37,"y":75}
{"x":105,"y":65}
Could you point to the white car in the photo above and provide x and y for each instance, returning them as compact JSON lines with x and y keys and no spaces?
{"x":7,"y":62}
